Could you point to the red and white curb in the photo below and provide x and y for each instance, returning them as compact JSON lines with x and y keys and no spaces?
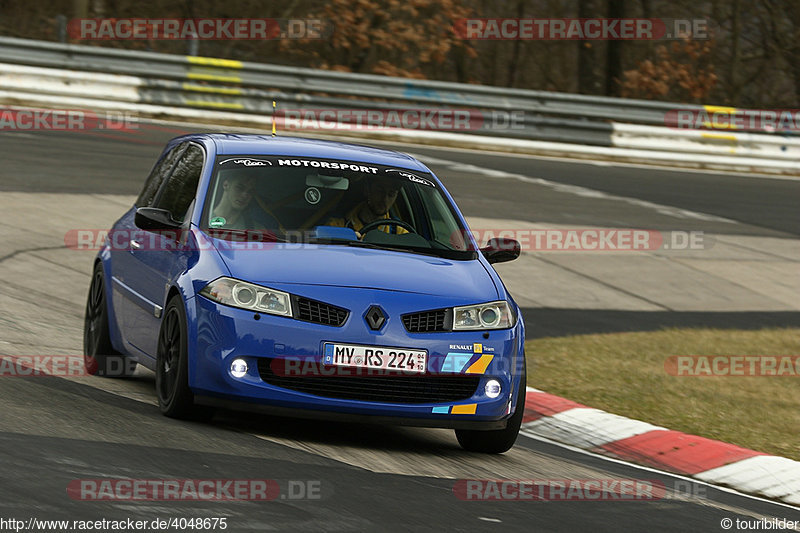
{"x":719,"y":463}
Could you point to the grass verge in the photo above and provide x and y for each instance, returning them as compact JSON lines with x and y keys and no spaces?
{"x":624,"y":373}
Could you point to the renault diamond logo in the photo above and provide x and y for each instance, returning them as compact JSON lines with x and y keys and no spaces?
{"x":375,"y":317}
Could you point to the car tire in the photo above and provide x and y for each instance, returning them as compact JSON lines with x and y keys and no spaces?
{"x":496,"y":440}
{"x":175,"y":398}
{"x":99,"y":356}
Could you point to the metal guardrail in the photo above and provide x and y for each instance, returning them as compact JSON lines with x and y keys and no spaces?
{"x":151,"y":65}
{"x":250,"y":87}
{"x":41,"y":71}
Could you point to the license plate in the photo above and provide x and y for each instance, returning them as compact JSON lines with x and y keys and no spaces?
{"x":376,"y":357}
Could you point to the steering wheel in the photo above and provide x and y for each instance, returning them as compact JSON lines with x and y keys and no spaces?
{"x":386,"y":222}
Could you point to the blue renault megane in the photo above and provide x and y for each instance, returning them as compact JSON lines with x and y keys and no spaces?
{"x":309,"y":278}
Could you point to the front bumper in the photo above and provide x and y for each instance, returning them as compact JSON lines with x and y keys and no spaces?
{"x":219,"y":334}
{"x":267,"y":409}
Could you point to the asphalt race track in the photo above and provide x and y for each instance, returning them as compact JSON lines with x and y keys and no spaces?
{"x":56,"y":430}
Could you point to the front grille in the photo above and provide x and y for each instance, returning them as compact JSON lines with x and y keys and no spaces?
{"x":320,"y":312}
{"x":426,"y":322}
{"x":389,"y":389}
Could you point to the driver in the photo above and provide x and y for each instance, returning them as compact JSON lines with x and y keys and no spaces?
{"x":236,"y":210}
{"x":381,"y":194}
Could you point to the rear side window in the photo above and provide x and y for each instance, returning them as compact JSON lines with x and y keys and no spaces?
{"x":180,"y":188}
{"x":157,"y":176}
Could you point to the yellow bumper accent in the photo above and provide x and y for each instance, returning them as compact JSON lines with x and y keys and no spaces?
{"x":467,"y":409}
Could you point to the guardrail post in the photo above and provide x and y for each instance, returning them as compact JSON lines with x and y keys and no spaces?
{"x":193,"y":45}
{"x":61,"y":28}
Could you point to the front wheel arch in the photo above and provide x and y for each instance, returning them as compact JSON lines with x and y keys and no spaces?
{"x":175,"y":397}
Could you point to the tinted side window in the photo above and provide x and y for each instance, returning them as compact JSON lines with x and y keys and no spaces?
{"x":156,"y":178}
{"x":179,"y":190}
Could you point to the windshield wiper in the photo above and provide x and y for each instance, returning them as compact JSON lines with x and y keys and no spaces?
{"x":343,"y":242}
{"x":362,"y":244}
{"x":349,"y":242}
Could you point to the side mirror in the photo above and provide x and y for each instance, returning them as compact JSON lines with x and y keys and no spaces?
{"x":500,"y":250}
{"x":153,"y":219}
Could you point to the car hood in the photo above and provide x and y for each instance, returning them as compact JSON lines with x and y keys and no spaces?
{"x":345,"y":266}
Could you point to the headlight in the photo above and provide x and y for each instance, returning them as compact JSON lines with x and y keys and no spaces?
{"x":492,"y":315}
{"x":248,"y":296}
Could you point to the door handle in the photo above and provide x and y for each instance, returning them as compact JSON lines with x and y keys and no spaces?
{"x":135,"y":245}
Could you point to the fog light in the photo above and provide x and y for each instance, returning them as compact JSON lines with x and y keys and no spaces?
{"x":239,"y":368}
{"x":492,"y":388}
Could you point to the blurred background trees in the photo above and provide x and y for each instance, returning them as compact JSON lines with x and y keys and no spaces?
{"x":751,"y":60}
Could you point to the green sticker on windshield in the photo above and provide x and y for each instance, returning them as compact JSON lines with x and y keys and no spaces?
{"x":217,"y":222}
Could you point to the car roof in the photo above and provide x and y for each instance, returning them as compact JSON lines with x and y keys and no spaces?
{"x":253,"y":144}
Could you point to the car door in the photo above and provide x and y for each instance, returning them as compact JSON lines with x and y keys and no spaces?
{"x":124,"y":299}
{"x":157,"y":257}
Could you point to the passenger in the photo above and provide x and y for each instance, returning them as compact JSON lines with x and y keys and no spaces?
{"x":236,"y":209}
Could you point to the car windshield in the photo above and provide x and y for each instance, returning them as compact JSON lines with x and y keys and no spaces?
{"x":336,"y":202}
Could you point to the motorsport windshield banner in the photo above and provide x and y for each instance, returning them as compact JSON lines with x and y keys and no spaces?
{"x":333,"y":167}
